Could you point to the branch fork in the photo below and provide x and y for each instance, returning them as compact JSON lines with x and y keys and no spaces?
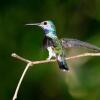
{"x":31,"y":63}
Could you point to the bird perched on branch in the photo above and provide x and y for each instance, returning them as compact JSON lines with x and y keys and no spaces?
{"x":55,"y":46}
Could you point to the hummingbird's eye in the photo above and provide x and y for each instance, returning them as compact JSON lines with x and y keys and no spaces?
{"x":45,"y":23}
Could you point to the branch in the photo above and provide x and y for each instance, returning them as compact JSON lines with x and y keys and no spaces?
{"x":53,"y":60}
{"x":20,"y":81}
{"x":30,"y":63}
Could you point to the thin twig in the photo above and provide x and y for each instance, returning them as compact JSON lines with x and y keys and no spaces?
{"x":53,"y":60}
{"x":20,"y":58}
{"x":30,"y":63}
{"x":20,"y":81}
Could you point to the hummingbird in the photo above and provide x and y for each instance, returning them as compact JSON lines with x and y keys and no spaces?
{"x":52,"y":43}
{"x":55,"y":46}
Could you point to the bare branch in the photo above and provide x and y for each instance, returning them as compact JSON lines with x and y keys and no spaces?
{"x":53,"y":60}
{"x":20,"y":58}
{"x":30,"y":63}
{"x":20,"y":81}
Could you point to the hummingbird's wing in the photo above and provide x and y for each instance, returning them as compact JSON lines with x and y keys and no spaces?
{"x":69,"y":43}
{"x":47,"y":42}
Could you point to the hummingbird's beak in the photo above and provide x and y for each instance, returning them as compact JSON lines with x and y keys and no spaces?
{"x":37,"y":24}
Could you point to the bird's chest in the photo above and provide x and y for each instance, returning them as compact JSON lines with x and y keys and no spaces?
{"x":53,"y":45}
{"x":54,"y":51}
{"x":56,"y":48}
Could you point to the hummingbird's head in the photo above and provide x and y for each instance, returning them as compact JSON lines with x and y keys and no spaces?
{"x":47,"y":26}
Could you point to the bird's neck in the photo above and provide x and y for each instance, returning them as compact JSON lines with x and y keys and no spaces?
{"x":50,"y":33}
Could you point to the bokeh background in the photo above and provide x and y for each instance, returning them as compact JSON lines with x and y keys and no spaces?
{"x":73,"y":19}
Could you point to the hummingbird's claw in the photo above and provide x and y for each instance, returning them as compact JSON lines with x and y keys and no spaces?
{"x":48,"y":59}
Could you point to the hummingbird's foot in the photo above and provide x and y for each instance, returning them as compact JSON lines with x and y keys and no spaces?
{"x":65,"y":70}
{"x":48,"y":59}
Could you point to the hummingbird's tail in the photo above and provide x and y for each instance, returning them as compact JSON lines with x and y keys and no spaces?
{"x":62,"y":63}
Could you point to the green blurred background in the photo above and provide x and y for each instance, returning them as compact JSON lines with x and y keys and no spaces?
{"x":73,"y":19}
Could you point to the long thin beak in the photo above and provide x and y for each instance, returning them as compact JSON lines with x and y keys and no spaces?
{"x":37,"y":24}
